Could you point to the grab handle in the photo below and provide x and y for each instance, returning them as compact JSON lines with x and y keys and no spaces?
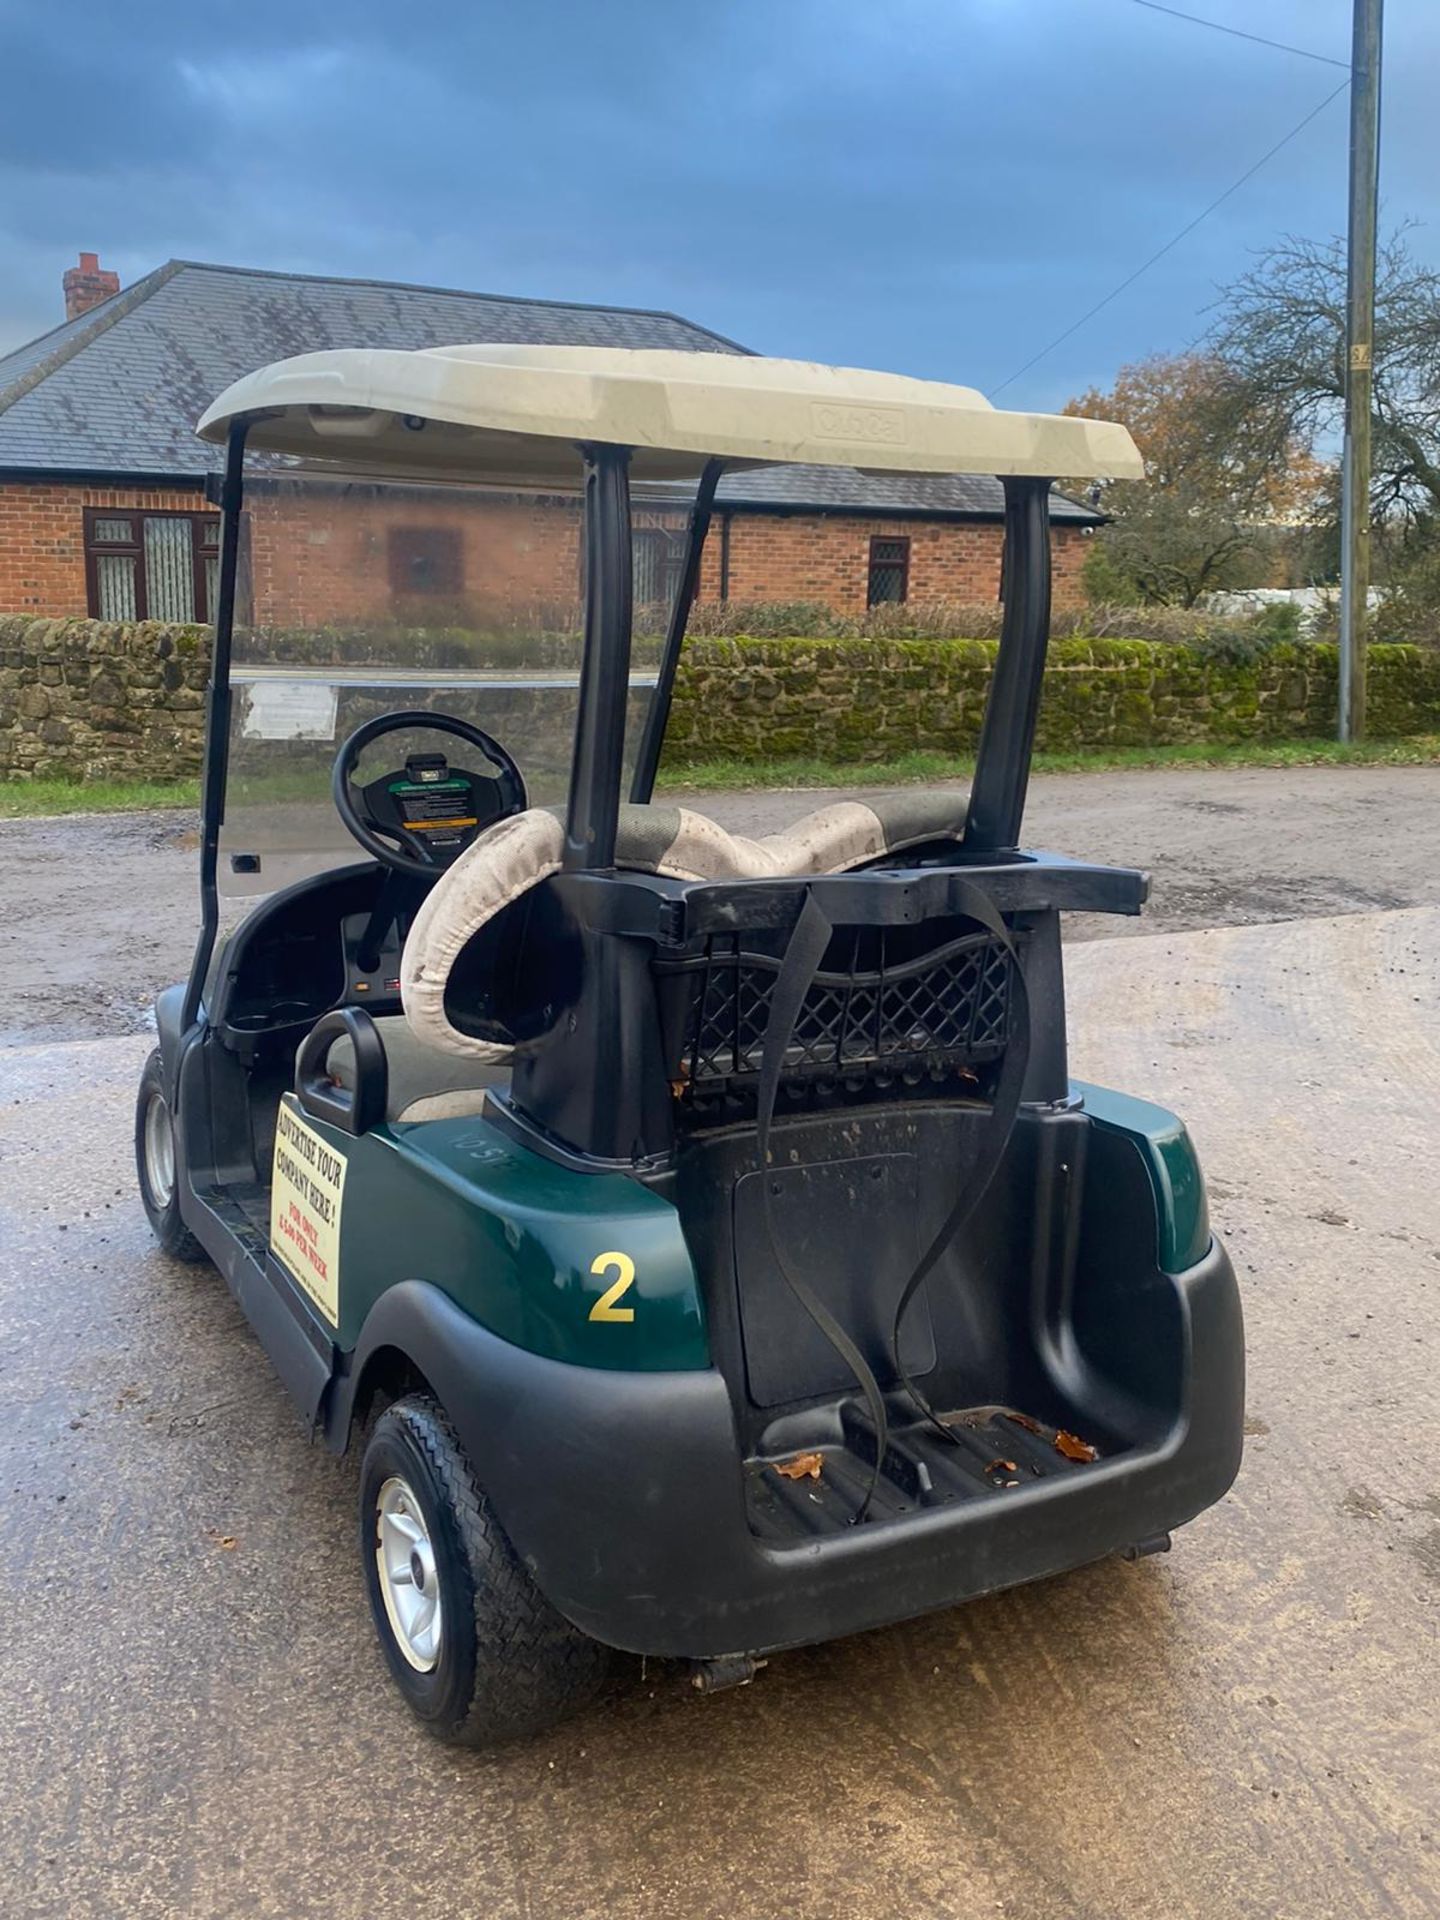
{"x":355,"y":1110}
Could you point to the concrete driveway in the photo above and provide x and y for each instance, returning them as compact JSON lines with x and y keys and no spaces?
{"x":98,"y":913}
{"x":194,"y":1719}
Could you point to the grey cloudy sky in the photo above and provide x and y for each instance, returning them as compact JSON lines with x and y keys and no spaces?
{"x":938,"y":186}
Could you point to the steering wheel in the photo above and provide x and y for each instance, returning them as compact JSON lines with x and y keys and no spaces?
{"x":429,"y":809}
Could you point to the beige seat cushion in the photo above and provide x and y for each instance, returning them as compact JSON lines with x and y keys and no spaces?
{"x":424,"y":1083}
{"x":515,"y":854}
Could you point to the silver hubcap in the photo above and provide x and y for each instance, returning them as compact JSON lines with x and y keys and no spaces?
{"x":409,"y":1584}
{"x":159,"y":1152}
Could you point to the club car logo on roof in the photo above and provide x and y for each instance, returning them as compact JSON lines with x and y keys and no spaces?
{"x":875,"y":426}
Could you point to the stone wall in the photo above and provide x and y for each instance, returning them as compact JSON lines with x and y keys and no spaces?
{"x":859,"y":700}
{"x":84,"y":699}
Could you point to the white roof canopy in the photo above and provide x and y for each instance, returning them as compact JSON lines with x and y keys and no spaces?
{"x":516,"y":413}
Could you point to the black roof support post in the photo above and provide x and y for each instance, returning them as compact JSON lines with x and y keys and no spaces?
{"x":217,"y":719}
{"x":1007,"y":735}
{"x":594,"y":807}
{"x":652,"y":740}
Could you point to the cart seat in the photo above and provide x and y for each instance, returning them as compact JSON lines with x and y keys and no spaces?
{"x":424,"y":1083}
{"x":517,"y":853}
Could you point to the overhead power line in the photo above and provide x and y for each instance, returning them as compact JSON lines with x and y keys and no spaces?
{"x":1237,"y":33}
{"x":1170,"y":245}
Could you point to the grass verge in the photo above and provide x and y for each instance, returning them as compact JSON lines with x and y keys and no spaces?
{"x":720,"y":775}
{"x":31,"y":799}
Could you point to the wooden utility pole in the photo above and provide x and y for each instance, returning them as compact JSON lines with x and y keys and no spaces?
{"x":1359,"y":356}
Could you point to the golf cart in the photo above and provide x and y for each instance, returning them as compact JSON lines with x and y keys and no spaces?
{"x":702,"y":1235}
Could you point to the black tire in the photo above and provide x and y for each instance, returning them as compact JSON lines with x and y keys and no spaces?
{"x":507,"y":1663}
{"x":162,"y":1207}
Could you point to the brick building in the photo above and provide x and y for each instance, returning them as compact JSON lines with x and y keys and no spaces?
{"x":103,"y":488}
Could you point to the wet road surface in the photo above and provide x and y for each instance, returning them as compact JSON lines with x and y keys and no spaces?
{"x":194,"y":1718}
{"x":97,"y":914}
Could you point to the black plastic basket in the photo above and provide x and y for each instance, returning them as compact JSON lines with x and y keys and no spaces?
{"x":886,"y":1010}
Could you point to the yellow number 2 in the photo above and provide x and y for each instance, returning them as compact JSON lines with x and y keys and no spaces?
{"x":605,"y":1307}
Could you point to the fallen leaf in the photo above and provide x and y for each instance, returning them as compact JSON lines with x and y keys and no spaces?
{"x":996,"y":1465}
{"x":1024,"y":1420}
{"x":225,"y":1541}
{"x":805,"y":1466}
{"x":1073,"y":1447}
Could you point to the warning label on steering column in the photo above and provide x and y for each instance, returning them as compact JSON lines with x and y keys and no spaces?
{"x":305,"y":1203}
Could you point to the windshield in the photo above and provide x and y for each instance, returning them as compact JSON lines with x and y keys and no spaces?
{"x":357,"y":598}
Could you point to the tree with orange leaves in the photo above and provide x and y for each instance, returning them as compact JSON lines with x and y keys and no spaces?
{"x":1226,"y":478}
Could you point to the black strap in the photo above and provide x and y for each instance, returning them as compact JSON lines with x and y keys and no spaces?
{"x":1004,"y":1110}
{"x":804,"y":951}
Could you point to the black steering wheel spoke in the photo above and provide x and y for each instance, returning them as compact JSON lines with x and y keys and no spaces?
{"x":419,"y":819}
{"x":402,"y":841}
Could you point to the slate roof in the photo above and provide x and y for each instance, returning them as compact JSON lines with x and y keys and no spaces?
{"x":969,"y":496}
{"x":118,"y":390}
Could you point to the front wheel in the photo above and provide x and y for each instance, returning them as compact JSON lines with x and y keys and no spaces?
{"x":478,"y":1652}
{"x":155,"y":1165}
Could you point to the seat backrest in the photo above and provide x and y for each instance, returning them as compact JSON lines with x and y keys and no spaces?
{"x":516,"y":854}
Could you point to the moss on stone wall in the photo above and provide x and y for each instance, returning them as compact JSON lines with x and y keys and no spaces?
{"x":85,"y":699}
{"x":873,"y":700}
{"x":88,"y":700}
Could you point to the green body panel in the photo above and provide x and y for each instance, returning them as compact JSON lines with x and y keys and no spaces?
{"x":512,"y":1239}
{"x":1179,"y":1186}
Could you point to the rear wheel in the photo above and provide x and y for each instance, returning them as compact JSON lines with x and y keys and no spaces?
{"x":478,"y":1652}
{"x":155,"y":1165}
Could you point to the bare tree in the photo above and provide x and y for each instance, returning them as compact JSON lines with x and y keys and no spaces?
{"x":1281,"y":328}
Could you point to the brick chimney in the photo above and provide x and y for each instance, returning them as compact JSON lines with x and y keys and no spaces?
{"x":87,"y":285}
